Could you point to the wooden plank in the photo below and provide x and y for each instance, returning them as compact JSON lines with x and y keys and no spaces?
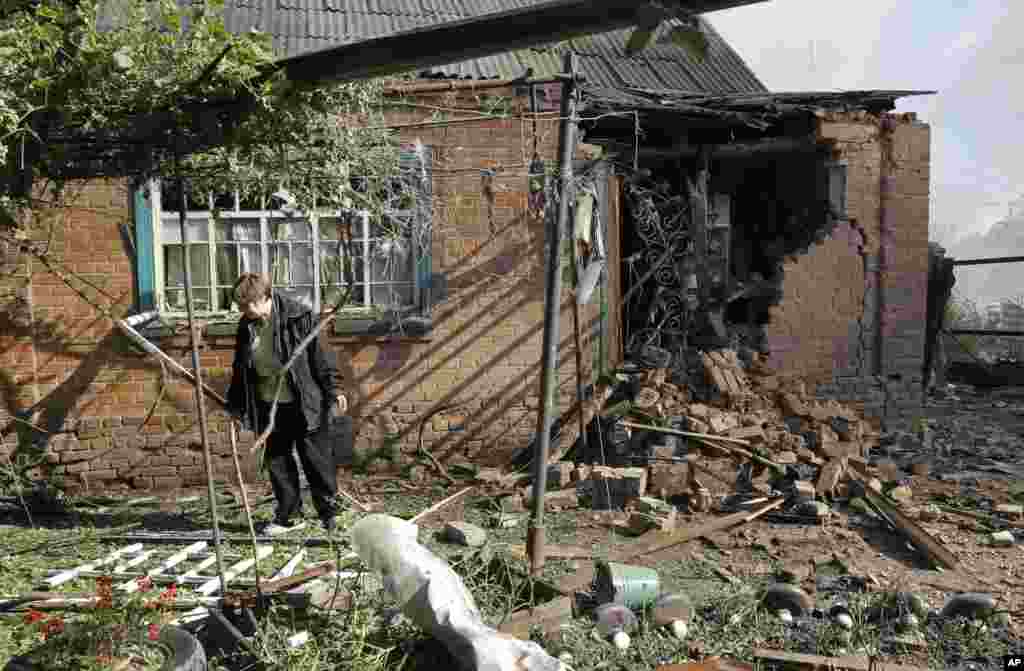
{"x":141,"y":558}
{"x":71,"y":574}
{"x":196,"y":571}
{"x":663,"y":540}
{"x":920,"y":538}
{"x":556,"y":552}
{"x":213,"y":584}
{"x":548,"y":616}
{"x":847,"y":663}
{"x":289,"y":568}
{"x":169,"y":563}
{"x":441,"y":504}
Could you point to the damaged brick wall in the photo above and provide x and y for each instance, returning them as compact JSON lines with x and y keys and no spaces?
{"x":483,"y":354}
{"x":852,"y":318}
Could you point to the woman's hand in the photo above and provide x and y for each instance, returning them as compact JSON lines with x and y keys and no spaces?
{"x":342,"y":404}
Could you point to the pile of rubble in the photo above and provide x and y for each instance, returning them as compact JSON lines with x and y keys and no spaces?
{"x":652,"y":437}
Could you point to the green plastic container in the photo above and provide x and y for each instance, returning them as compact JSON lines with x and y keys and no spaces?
{"x":631,"y":586}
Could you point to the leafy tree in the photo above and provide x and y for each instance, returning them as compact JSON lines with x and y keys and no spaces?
{"x":121,"y":87}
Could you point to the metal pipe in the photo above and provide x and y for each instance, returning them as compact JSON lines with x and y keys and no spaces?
{"x":460,"y":85}
{"x":145,"y":344}
{"x":985,"y":262}
{"x":204,"y":436}
{"x":985,"y":332}
{"x":535,"y":539}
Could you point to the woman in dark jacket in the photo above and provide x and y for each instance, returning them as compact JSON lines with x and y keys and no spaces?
{"x":271,"y":328}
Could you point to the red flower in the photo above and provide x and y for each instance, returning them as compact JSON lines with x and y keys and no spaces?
{"x":170,"y":593}
{"x":154,"y":632}
{"x":33,"y":616}
{"x":145,"y":583}
{"x":55,"y":626}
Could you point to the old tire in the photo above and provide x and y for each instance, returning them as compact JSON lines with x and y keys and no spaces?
{"x":186,"y":653}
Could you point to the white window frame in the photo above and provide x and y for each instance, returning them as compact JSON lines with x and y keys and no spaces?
{"x":265,"y":216}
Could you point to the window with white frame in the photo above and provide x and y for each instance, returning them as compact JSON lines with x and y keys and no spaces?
{"x":302,"y":254}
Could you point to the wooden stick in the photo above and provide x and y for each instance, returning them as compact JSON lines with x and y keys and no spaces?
{"x":441,"y":504}
{"x":145,"y":344}
{"x":665,"y":540}
{"x":848,"y":663}
{"x":354,"y":501}
{"x":245,"y":502}
{"x":688,"y":434}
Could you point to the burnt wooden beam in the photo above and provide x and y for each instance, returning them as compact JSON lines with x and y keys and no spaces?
{"x":985,"y":262}
{"x":478,"y":37}
{"x":767,"y":146}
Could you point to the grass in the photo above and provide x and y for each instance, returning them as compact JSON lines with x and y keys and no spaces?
{"x":369,"y":637}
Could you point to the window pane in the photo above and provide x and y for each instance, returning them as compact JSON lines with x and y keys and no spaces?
{"x":251,"y":258}
{"x":330,"y":263}
{"x":199,"y":256}
{"x":302,"y":264}
{"x":238,"y":230}
{"x":328,"y":228}
{"x":174,"y":269}
{"x":175,"y":299}
{"x":171,"y":230}
{"x":279,"y":266}
{"x":333,"y":293}
{"x":227,"y":264}
{"x":289,"y":230}
{"x":391,"y":295}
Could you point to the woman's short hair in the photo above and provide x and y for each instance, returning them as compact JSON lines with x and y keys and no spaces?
{"x":250,"y":288}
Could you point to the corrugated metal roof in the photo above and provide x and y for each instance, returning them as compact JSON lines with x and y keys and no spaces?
{"x":304,"y":25}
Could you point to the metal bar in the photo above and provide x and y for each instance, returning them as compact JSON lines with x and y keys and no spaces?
{"x":204,"y":435}
{"x":985,"y":332}
{"x":535,"y":539}
{"x":141,"y":341}
{"x":985,"y":262}
{"x":476,"y":37}
{"x":653,"y":269}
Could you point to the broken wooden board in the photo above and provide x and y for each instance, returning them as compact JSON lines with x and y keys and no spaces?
{"x":847,"y":663}
{"x":920,"y":538}
{"x":665,"y":540}
{"x":548,"y":616}
{"x":555,"y":552}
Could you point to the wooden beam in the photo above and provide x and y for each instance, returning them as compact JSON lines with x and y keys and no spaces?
{"x":734,"y":150}
{"x":477,"y":37}
{"x":697,"y":188}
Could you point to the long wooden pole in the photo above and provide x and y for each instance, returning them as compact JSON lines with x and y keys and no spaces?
{"x":204,"y":435}
{"x":535,"y":539}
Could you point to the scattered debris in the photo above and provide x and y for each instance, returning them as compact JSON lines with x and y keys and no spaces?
{"x":849,"y":663}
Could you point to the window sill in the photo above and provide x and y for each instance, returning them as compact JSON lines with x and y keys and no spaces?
{"x":345,"y":328}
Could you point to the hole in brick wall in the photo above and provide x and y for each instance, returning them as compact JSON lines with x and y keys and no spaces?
{"x":762,"y":211}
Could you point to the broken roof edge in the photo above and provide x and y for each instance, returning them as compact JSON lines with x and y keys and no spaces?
{"x":748,"y":108}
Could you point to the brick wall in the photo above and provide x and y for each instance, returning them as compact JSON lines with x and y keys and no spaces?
{"x":852,"y":317}
{"x":62,"y":356}
{"x":483,"y":354}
